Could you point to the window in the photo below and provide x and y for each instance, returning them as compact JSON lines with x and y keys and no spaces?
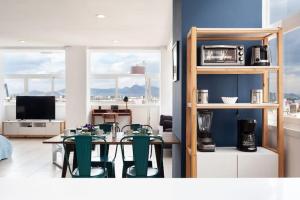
{"x":119,"y":73}
{"x":34,"y":72}
{"x":286,"y":13}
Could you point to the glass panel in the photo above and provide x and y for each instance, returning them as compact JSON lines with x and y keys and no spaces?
{"x":280,"y":9}
{"x":59,"y":87}
{"x":103,"y":89}
{"x":39,"y":87}
{"x":154,"y":90}
{"x":133,"y":87}
{"x":121,"y":62}
{"x":15,"y":87}
{"x":34,"y":62}
{"x":292,"y":71}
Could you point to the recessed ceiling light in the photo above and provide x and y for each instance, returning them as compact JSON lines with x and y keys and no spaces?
{"x":116,"y":41}
{"x":100,"y":16}
{"x":22,"y":41}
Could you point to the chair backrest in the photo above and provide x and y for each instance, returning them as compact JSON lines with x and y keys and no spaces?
{"x":106,"y":127}
{"x":83,"y":148}
{"x":140,"y":147}
{"x":136,"y":127}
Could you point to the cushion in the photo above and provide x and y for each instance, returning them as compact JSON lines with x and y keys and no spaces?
{"x":150,"y":173}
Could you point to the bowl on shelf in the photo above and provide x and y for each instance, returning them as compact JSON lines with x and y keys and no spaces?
{"x":229,"y":100}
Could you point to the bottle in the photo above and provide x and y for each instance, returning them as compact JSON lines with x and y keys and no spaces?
{"x":113,"y":131}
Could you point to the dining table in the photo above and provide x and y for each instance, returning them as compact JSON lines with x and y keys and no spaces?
{"x":168,"y":137}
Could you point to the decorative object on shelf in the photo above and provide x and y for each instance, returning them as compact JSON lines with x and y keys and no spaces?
{"x":246,"y":135}
{"x":125,"y":99}
{"x":114,"y":107}
{"x":222,"y":55}
{"x":99,"y":107}
{"x":175,"y":56}
{"x":257,"y":96}
{"x":205,"y":142}
{"x":202,"y":96}
{"x":229,"y":100}
{"x":260,"y":55}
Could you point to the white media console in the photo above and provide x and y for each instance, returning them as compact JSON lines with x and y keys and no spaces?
{"x":32,"y":128}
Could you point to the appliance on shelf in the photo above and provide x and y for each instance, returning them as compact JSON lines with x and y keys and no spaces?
{"x":222,"y":55}
{"x":260,"y":55}
{"x":205,"y":142}
{"x":246,"y":135}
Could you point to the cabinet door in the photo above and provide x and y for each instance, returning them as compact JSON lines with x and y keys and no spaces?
{"x":53,"y":128}
{"x":10,"y":128}
{"x":260,"y":164}
{"x":217,"y":164}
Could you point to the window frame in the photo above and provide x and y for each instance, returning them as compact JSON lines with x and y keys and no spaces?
{"x":117,"y":76}
{"x":288,"y":24}
{"x":27,"y":77}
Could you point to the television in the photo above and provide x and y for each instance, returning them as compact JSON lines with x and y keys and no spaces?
{"x":35,"y":107}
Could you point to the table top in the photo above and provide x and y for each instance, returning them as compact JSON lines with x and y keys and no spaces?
{"x":149,"y":189}
{"x":168,"y":137}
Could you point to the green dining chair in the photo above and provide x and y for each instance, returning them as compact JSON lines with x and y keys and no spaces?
{"x":83,"y":153}
{"x":140,"y":151}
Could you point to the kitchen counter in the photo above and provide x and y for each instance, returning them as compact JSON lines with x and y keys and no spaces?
{"x":212,"y":189}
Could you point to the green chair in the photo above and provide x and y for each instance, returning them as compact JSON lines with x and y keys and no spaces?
{"x":106,"y":127}
{"x":83,"y":152}
{"x":140,"y":147}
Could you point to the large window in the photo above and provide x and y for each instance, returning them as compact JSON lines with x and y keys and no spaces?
{"x":286,"y":13}
{"x":34,"y":72}
{"x":135,"y":74}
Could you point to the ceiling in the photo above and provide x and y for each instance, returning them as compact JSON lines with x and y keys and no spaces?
{"x":133,"y":23}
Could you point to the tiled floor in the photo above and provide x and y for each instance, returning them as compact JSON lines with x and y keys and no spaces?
{"x":31,"y":158}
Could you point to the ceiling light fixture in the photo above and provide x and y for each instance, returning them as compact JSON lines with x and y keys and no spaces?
{"x":100,"y":16}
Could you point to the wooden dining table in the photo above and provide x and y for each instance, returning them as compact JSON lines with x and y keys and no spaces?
{"x":168,"y":137}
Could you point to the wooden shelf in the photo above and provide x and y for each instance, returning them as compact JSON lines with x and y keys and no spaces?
{"x":235,"y":106}
{"x":236,"y":69}
{"x":234,"y":33}
{"x":264,"y":35}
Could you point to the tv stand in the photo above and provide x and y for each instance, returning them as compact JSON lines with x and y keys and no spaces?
{"x":32,"y":128}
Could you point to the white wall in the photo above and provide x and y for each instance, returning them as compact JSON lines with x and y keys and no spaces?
{"x":166,"y":73}
{"x":77,"y":84}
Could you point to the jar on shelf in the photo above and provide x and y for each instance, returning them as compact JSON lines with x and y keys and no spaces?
{"x":257,"y":96}
{"x":202,"y":96}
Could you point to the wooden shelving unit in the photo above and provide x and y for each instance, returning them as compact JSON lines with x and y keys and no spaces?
{"x":232,"y":34}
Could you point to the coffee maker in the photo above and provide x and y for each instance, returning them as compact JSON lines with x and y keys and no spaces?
{"x":246,"y":135}
{"x":205,"y":142}
{"x":260,"y":55}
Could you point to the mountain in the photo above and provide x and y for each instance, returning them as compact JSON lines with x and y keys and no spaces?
{"x":289,"y":96}
{"x":135,"y":90}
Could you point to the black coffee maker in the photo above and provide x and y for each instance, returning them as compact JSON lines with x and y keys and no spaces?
{"x":246,"y":135}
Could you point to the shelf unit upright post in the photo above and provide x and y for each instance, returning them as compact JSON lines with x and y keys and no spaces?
{"x":233,"y":34}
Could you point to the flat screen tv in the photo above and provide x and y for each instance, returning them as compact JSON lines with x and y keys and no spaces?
{"x":35,"y":107}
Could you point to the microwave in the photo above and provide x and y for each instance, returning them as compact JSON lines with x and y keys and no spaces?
{"x":222,"y":55}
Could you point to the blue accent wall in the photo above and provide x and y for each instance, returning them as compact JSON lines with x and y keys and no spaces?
{"x":214,"y":14}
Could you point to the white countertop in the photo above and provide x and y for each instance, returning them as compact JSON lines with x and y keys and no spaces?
{"x":174,"y":189}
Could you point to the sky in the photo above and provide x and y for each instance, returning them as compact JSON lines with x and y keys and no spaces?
{"x":21,"y":62}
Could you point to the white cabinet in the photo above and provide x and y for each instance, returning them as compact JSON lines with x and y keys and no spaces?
{"x":32,"y":128}
{"x":219,"y":164}
{"x":262,"y":164}
{"x":227,"y":162}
